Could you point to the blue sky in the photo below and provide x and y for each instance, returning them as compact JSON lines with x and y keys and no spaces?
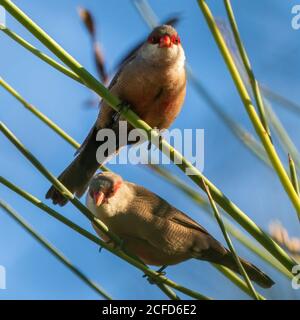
{"x":273,"y":47}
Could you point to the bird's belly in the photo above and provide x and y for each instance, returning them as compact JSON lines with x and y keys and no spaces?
{"x":158,"y":101}
{"x":151,"y":255}
{"x":145,"y":251}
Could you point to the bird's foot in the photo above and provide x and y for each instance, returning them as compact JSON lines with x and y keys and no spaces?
{"x":123,"y":107}
{"x":160,"y":272}
{"x":116,"y":246}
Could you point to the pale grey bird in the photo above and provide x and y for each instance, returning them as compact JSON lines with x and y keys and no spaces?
{"x":153,"y":81}
{"x":154,"y":230}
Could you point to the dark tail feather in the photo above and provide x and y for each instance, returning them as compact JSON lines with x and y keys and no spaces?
{"x":253,"y":272}
{"x":78,"y":174}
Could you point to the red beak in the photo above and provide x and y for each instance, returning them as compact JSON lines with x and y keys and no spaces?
{"x":98,"y":198}
{"x":165,"y":42}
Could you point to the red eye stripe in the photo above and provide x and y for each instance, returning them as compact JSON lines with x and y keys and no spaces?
{"x":175,"y":39}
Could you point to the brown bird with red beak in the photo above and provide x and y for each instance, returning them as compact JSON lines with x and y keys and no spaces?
{"x":154,"y":230}
{"x":153,"y":82}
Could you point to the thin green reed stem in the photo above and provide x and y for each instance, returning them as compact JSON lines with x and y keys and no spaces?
{"x":259,"y":128}
{"x":242,"y":238}
{"x":52,"y":125}
{"x":281,"y":100}
{"x":39,"y":114}
{"x":293,"y":174}
{"x":264,"y":108}
{"x":40,"y":54}
{"x":38,"y":203}
{"x":159,"y":278}
{"x":254,"y":84}
{"x":241,"y":133}
{"x":168,"y":291}
{"x":230,"y":244}
{"x":238,"y":281}
{"x":58,"y":255}
{"x":283,"y":137}
{"x":133,"y":119}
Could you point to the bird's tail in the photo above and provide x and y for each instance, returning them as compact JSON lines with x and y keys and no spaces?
{"x":253,"y":272}
{"x":78,"y":174}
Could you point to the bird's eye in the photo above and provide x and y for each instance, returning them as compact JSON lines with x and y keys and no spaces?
{"x":153,"y":40}
{"x":175,"y":39}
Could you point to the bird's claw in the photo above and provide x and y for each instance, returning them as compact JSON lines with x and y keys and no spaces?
{"x":160,"y":273}
{"x":116,"y":246}
{"x":123,"y":107}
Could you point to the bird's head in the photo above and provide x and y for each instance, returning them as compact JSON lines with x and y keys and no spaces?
{"x":104,"y":186}
{"x":163,"y":46}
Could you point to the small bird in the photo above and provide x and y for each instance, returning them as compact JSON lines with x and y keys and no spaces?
{"x":153,"y":82}
{"x":154,"y":230}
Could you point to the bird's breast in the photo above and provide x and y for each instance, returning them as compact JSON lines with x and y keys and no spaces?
{"x":156,"y":94}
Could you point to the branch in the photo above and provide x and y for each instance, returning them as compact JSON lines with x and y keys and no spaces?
{"x":258,"y":126}
{"x":58,"y":255}
{"x":134,"y":120}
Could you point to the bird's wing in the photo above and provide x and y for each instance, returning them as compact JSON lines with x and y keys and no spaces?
{"x":105,"y":112}
{"x":128,"y":60}
{"x":161,"y":208}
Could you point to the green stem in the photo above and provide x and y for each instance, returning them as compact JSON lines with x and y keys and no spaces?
{"x":241,"y":133}
{"x":53,"y":250}
{"x":52,"y":125}
{"x":39,"y":114}
{"x":237,"y":281}
{"x":259,"y":128}
{"x":281,"y":100}
{"x":133,"y":119}
{"x":116,"y":251}
{"x":230,"y":244}
{"x":283,"y":137}
{"x":254,"y":84}
{"x":293,"y":174}
{"x":40,"y":54}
